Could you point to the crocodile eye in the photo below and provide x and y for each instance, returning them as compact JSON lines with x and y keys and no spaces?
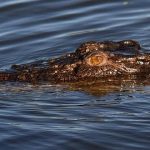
{"x":97,"y":59}
{"x":130,"y":43}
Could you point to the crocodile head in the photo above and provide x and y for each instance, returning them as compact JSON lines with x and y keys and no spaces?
{"x":100,"y":60}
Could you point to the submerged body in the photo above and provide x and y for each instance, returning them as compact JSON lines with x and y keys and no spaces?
{"x":91,"y":61}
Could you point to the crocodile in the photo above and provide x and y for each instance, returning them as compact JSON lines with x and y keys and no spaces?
{"x":103,"y":60}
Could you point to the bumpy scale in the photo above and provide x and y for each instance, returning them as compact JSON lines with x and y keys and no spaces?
{"x":91,"y":61}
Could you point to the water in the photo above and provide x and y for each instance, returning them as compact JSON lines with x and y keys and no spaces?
{"x":53,"y":117}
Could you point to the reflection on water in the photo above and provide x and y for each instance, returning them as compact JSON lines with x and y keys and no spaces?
{"x":87,"y":116}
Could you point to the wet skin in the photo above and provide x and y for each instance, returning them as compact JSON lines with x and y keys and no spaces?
{"x":105,"y":60}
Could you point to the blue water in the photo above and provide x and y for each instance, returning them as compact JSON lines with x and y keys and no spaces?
{"x":53,"y":117}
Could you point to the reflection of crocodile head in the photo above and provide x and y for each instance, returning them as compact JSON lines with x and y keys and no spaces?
{"x":91,"y":61}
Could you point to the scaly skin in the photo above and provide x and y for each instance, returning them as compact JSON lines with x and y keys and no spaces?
{"x":91,"y":61}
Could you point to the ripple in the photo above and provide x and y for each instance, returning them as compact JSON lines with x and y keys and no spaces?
{"x":60,"y":117}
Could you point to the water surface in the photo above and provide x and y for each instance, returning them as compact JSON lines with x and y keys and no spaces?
{"x":53,"y":116}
